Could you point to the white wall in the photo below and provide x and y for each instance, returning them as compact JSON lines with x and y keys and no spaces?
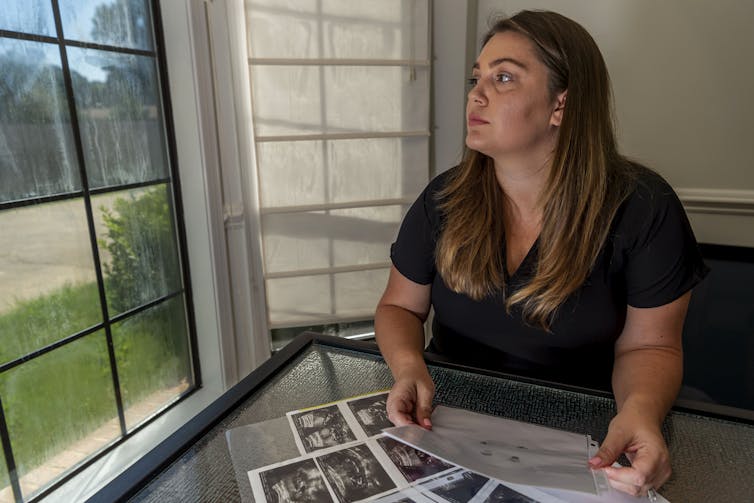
{"x":683,"y":81}
{"x":453,"y":25}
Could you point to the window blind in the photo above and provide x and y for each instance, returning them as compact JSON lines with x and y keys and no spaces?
{"x":340,"y":97}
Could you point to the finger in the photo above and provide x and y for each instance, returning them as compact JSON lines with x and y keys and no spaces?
{"x":424,"y":407}
{"x":629,"y":476}
{"x":423,"y":417}
{"x":400,"y":411}
{"x":623,"y":480}
{"x":625,"y":488}
{"x":611,"y":448}
{"x":400,"y":419}
{"x":632,"y":490}
{"x":655,"y":467}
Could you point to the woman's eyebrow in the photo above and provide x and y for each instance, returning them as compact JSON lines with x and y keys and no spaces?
{"x":497,"y":61}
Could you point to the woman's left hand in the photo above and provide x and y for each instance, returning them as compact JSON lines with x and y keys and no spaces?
{"x":644,"y":446}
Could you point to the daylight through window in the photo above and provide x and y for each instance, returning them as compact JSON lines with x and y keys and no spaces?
{"x":94,"y":301}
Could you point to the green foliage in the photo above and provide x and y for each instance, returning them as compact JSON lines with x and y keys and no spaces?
{"x":63,"y":396}
{"x":142,"y":344}
{"x":121,"y":23}
{"x":35,"y":323}
{"x":31,"y":94}
{"x":143,"y":262}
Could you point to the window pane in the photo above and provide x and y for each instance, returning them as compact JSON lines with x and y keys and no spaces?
{"x":37,"y":154}
{"x":28,"y":16}
{"x":122,"y":23}
{"x":152,"y":352}
{"x":337,"y":171}
{"x":60,"y":409}
{"x":325,"y":298}
{"x":138,"y":246}
{"x":48,"y":288}
{"x":388,"y":29}
{"x":352,"y":329}
{"x":339,"y":99}
{"x":311,"y":240}
{"x":119,"y":110}
{"x":6,"y":493}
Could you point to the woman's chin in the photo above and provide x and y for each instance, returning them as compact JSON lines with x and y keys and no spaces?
{"x":477,"y":145}
{"x":474,"y":143}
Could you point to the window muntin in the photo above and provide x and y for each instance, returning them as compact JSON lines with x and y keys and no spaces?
{"x":95,"y":220}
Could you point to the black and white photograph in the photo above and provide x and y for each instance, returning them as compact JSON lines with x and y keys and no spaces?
{"x":457,"y":487}
{"x":413,"y":464}
{"x":297,"y":482}
{"x":354,"y":473}
{"x":503,"y":494}
{"x":321,"y":428}
{"x":371,"y":413}
{"x":406,"y":495}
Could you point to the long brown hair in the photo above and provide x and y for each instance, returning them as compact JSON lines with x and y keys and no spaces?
{"x":588,"y":181}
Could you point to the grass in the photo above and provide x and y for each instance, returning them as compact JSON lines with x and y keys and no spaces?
{"x":35,"y":323}
{"x":62,"y":396}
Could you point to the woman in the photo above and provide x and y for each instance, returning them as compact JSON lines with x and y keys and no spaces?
{"x":545,"y":252}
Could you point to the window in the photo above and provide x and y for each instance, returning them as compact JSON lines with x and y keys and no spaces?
{"x":340,"y":97}
{"x":95,"y":311}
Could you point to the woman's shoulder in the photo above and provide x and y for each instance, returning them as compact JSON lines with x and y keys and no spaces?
{"x":431,"y":193}
{"x":650,"y":193}
{"x":649,"y":204}
{"x":441,"y":180}
{"x":649,"y":186}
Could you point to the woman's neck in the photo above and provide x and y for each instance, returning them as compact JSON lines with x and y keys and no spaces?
{"x":523,"y":186}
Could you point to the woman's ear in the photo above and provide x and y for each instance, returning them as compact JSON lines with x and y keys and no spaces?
{"x":557,"y":114}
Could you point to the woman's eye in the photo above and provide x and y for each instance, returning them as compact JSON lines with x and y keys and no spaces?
{"x":503,"y":77}
{"x":472,"y":81}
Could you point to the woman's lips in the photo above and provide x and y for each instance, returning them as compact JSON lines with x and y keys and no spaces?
{"x":475,"y":120}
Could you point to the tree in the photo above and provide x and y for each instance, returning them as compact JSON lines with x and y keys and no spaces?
{"x":143,"y":262}
{"x":122,"y":23}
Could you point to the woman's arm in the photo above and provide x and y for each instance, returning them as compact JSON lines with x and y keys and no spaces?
{"x":399,"y":330}
{"x":646,"y":378}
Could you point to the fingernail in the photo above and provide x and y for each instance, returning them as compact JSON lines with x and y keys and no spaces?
{"x":596,"y":460}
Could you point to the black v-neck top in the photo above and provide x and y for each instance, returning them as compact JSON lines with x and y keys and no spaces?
{"x":650,"y":259}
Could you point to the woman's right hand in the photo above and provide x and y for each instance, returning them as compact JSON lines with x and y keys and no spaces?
{"x":410,"y":399}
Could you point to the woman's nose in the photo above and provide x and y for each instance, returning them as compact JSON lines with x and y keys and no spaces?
{"x":476,"y":94}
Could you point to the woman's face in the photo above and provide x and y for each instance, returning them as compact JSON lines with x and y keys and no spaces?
{"x":511,"y":115}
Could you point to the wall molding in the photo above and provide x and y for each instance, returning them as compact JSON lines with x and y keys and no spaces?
{"x":717,"y":201}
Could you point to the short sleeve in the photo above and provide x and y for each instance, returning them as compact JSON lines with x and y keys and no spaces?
{"x":662,"y":259}
{"x":413,"y":252}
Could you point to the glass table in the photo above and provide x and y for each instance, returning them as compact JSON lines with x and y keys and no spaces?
{"x":712,"y":448}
